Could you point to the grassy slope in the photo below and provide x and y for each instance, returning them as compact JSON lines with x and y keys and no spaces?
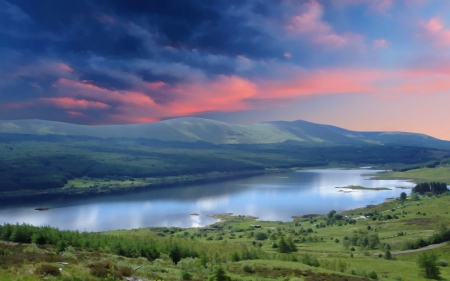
{"x":439,"y":174}
{"x":196,"y":129}
{"x":333,"y":257}
{"x":329,"y":252}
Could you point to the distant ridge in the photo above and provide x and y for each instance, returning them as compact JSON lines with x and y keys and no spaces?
{"x":190,"y":129}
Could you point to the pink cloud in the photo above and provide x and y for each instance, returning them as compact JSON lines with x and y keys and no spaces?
{"x":380,"y":43}
{"x":323,"y":81}
{"x":75,"y":113}
{"x":435,"y":32}
{"x":224,"y":93}
{"x":149,"y":102}
{"x":434,"y":25}
{"x":66,"y":102}
{"x":310,"y":24}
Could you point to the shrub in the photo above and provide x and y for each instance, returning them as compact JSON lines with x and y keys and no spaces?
{"x":104,"y":269}
{"x":219,"y":275}
{"x":442,"y":263}
{"x":372,"y":275}
{"x":261,"y":236}
{"x":185,"y":275}
{"x":126,"y":271}
{"x":248,"y":269}
{"x":47,"y":269}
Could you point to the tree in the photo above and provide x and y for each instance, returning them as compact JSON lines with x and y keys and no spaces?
{"x":291,"y":245}
{"x":283,"y":247}
{"x":219,"y":275}
{"x":428,"y":266}
{"x":261,"y":236}
{"x":387,"y":255}
{"x":403,"y":196}
{"x":235,"y":257}
{"x":60,"y":246}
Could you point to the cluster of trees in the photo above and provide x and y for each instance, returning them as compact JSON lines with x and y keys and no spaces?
{"x":363,"y":240}
{"x":434,"y":187}
{"x":150,"y":248}
{"x":286,"y":245}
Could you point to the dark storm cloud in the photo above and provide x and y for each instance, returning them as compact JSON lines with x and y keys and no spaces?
{"x":94,"y":26}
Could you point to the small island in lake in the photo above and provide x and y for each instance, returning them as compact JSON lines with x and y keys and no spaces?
{"x":358,"y":187}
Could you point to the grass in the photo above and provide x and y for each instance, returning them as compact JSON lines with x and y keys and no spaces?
{"x":433,"y":211}
{"x":439,"y":174}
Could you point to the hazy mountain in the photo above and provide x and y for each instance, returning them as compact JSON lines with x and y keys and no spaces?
{"x":196,"y":129}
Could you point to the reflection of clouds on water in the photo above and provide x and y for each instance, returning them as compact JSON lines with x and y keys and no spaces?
{"x":86,"y":218}
{"x":210,"y":203}
{"x":196,"y":221}
{"x":147,"y":205}
{"x":268,"y":197}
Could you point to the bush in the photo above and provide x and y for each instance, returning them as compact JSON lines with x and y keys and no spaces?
{"x":248,"y":269}
{"x":126,"y":271}
{"x":442,"y":263}
{"x":104,"y":269}
{"x":185,"y":275}
{"x":372,"y":275}
{"x":47,"y":269}
{"x":219,"y":275}
{"x":261,"y":236}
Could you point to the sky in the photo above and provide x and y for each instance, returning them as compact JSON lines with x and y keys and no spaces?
{"x":369,"y":65}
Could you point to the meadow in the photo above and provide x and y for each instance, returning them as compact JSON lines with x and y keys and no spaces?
{"x":440,"y":174}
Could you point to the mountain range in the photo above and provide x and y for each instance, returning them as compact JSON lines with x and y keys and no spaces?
{"x":192,"y":129}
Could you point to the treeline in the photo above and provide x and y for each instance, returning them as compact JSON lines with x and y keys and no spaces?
{"x":433,"y":187}
{"x":131,"y":246}
{"x":429,"y":164}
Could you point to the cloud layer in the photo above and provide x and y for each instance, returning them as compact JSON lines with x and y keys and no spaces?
{"x":116,"y":62}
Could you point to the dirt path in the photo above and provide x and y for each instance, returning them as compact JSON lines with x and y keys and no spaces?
{"x":419,"y":250}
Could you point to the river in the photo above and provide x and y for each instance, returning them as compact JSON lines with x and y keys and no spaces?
{"x":269,"y":197}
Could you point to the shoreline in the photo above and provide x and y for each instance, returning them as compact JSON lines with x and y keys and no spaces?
{"x":96,"y":191}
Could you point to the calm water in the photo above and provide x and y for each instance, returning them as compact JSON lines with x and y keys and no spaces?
{"x":269,"y":197}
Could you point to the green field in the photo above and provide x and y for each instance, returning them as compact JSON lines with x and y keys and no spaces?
{"x":439,"y":174}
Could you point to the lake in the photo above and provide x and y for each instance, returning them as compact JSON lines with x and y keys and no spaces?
{"x":275,"y":197}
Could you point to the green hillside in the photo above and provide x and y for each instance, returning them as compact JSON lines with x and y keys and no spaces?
{"x":196,"y":129}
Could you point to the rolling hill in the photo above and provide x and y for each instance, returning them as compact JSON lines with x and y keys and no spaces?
{"x":192,"y":129}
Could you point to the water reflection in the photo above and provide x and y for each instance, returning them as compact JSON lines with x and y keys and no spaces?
{"x":269,"y":197}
